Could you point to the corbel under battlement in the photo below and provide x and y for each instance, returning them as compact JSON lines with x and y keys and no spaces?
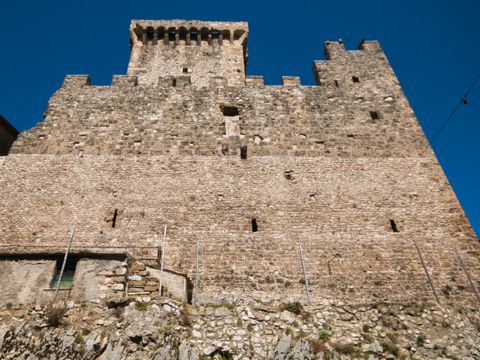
{"x":187,"y":32}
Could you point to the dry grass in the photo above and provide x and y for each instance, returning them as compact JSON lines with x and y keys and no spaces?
{"x":55,"y":313}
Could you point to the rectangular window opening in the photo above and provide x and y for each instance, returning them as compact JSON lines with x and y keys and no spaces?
{"x":243,"y":152}
{"x":336,"y":83}
{"x":185,"y":70}
{"x":393,"y":225}
{"x":230,"y":111}
{"x":68,"y":273}
{"x":254,"y":225}
{"x":374,"y":115}
{"x":355,"y":79}
{"x":174,"y":82}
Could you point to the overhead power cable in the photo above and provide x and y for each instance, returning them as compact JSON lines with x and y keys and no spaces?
{"x":463,"y":101}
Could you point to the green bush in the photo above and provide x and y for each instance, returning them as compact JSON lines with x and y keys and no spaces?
{"x":79,"y":339}
{"x":141,"y":305}
{"x":420,"y":340}
{"x":324,"y":336}
{"x":293,"y":307}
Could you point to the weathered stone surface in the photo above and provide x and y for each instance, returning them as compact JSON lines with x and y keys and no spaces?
{"x":343,"y":164}
{"x":242,"y":174}
{"x":187,"y":352}
{"x":283,"y":347}
{"x":114,"y":351}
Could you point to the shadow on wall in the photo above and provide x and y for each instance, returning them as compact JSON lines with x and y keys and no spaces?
{"x":8,"y":134}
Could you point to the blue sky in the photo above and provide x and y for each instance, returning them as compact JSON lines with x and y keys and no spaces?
{"x":433,"y":46}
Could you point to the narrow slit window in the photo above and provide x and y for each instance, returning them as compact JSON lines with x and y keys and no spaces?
{"x":355,"y":79}
{"x":393,"y":225}
{"x":66,"y":281}
{"x":374,"y":115}
{"x":254,"y":225}
{"x":243,"y":152}
{"x":174,"y":82}
{"x":114,"y":218}
{"x":336,"y":83}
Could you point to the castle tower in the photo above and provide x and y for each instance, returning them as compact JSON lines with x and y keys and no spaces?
{"x":196,"y":49}
{"x":245,"y":170}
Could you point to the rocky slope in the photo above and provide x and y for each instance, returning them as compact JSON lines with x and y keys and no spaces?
{"x":143,"y":328}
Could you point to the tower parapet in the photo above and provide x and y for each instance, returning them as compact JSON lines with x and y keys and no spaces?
{"x":202,"y":49}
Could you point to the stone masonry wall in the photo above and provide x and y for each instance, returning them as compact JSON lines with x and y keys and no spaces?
{"x":342,"y":168}
{"x":330,"y":205}
{"x":273,"y":120}
{"x":205,"y":50}
{"x":24,"y":281}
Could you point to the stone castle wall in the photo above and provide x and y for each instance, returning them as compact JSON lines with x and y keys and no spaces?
{"x":342,"y":167}
{"x":206,"y":50}
{"x":331,"y":205}
{"x":185,"y":119}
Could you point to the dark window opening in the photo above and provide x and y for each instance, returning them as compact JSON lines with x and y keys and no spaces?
{"x":393,"y":225}
{"x":230,"y":111}
{"x":149,"y":34}
{"x":66,"y":281}
{"x":114,"y":218}
{"x":254,"y":225}
{"x":374,"y":115}
{"x":289,"y":174}
{"x":243,"y":152}
{"x":171,"y":36}
{"x":161,"y":34}
{"x":336,"y":83}
{"x":355,"y":79}
{"x":238,"y":34}
{"x":185,"y":70}
{"x":313,"y":197}
{"x":174,"y":82}
{"x":193,"y":35}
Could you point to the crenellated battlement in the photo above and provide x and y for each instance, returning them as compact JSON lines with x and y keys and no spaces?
{"x":181,"y":32}
{"x":336,"y":49}
{"x":242,"y":173}
{"x":202,"y":49}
